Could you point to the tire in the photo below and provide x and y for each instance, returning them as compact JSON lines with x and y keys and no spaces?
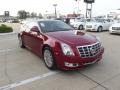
{"x":21,"y":42}
{"x":80,"y":27}
{"x":100,"y":28}
{"x":49,"y":59}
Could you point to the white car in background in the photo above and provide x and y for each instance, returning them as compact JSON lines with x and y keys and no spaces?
{"x":115,"y":28}
{"x":24,"y":21}
{"x":79,"y":24}
{"x":98,"y":25}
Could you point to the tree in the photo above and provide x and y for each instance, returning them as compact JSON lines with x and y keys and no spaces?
{"x":40,"y":16}
{"x":28,"y":15}
{"x":22,"y":14}
{"x":33,"y":14}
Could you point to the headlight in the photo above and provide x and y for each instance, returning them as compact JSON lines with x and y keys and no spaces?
{"x":98,"y":38}
{"x":66,"y":49}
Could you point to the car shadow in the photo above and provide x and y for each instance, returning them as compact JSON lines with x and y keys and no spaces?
{"x":115,"y":34}
{"x":97,"y":31}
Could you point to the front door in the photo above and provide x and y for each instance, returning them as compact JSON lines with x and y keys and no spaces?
{"x":37,"y":42}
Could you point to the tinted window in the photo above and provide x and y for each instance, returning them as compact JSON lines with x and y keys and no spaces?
{"x":29,"y":25}
{"x":53,"y":26}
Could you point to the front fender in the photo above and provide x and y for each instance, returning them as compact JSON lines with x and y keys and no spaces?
{"x":53,"y":44}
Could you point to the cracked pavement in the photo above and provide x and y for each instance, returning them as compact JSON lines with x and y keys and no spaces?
{"x":18,"y":64}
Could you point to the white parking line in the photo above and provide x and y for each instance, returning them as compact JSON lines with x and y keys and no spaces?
{"x":7,"y":50}
{"x":8,"y":39}
{"x":10,"y":86}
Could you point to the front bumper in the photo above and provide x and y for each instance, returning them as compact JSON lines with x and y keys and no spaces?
{"x":115,"y":31}
{"x":76,"y":62}
{"x":91,"y":29}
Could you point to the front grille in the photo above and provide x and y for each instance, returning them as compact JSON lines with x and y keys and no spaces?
{"x":89,"y":50}
{"x":89,"y":26}
{"x":115,"y":28}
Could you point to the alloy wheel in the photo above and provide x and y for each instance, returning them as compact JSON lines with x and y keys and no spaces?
{"x":48,"y":58}
{"x":99,"y":29}
{"x":80,"y":27}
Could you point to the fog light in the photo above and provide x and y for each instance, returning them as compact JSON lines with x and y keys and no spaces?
{"x":71,"y":64}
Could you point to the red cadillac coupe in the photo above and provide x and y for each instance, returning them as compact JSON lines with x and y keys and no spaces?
{"x":60,"y":45}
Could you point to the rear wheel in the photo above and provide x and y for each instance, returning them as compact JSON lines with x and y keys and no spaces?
{"x":49,"y":59}
{"x":100,"y":28}
{"x":21,"y":42}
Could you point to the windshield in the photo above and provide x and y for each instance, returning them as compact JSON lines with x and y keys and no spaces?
{"x":54,"y":25}
{"x":101,"y":20}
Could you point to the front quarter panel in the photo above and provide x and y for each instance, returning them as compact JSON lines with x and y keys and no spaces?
{"x":53,"y":44}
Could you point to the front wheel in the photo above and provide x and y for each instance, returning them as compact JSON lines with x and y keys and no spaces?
{"x":80,"y":27}
{"x":49,"y":59}
{"x":100,"y":28}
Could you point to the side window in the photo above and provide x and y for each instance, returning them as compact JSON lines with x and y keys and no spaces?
{"x":27,"y":27}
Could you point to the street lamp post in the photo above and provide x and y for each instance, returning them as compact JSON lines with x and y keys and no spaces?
{"x":89,"y":9}
{"x":55,"y":5}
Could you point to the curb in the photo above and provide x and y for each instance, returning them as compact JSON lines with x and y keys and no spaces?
{"x":11,"y":33}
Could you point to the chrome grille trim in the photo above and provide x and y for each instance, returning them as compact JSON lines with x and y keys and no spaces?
{"x":89,"y":26}
{"x":115,"y":28}
{"x":89,"y":50}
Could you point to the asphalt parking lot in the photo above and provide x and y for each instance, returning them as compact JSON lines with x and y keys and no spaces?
{"x":20,"y":69}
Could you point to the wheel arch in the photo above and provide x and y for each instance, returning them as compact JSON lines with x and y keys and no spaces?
{"x":44,"y":46}
{"x":80,"y":26}
{"x":51,"y":49}
{"x":100,"y":26}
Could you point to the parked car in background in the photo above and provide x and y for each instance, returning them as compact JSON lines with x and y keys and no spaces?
{"x":115,"y":28}
{"x":60,"y":45}
{"x":79,"y":24}
{"x":61,"y":19}
{"x":24,"y":21}
{"x":13,"y":21}
{"x":99,"y":25}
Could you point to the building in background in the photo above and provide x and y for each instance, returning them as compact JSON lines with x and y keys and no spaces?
{"x":6,"y":17}
{"x":115,"y":14}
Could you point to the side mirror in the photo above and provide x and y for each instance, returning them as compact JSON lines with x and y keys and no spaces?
{"x":35,"y":29}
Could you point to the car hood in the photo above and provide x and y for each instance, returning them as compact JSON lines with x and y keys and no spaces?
{"x":73,"y":37}
{"x":79,"y":22}
{"x":116,"y":25}
{"x":93,"y":23}
{"x":74,"y":23}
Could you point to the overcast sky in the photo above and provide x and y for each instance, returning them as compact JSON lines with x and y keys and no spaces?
{"x":100,"y":7}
